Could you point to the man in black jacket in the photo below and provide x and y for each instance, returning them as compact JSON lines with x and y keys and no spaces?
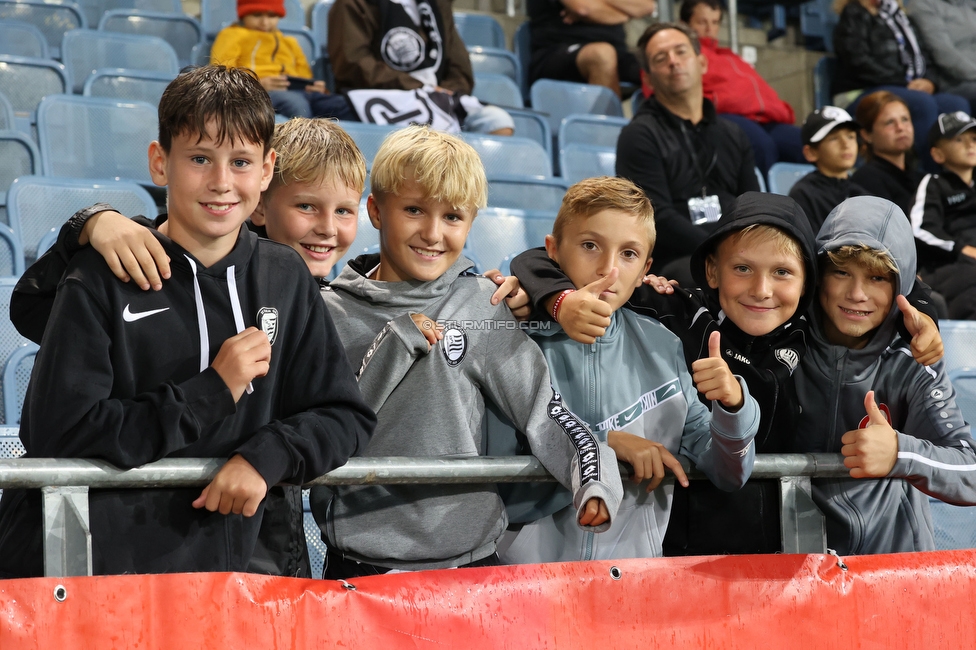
{"x":689,"y":162}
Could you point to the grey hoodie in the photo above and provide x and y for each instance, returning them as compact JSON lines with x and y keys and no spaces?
{"x":431,"y":403}
{"x":935,"y":448}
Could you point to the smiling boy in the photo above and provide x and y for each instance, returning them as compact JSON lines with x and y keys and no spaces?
{"x":131,"y":377}
{"x":895,"y":421}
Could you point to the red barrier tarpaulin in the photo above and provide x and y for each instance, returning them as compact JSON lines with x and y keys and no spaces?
{"x":909,"y":600}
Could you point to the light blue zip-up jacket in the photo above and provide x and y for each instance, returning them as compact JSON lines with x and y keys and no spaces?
{"x":634,"y":379}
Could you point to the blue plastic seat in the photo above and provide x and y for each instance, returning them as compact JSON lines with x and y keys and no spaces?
{"x":10,"y":342}
{"x":320,"y":26}
{"x":11,"y":253}
{"x":579,"y":161}
{"x":86,"y":50}
{"x":217,"y":14}
{"x":817,"y":22}
{"x":597,"y":130}
{"x":6,"y":114}
{"x":22,"y":39}
{"x":201,"y":53}
{"x":823,"y":78}
{"x":559,"y":99}
{"x":959,"y":339}
{"x":498,"y":89}
{"x":534,"y":126}
{"x":306,"y":40}
{"x":495,"y":61}
{"x":499,"y":234}
{"x":128,"y":85}
{"x":760,"y":179}
{"x":955,"y":526}
{"x":18,"y":157}
{"x":180,"y":31}
{"x":313,"y":539}
{"x":522,"y":44}
{"x":479,"y":30}
{"x":368,"y":137}
{"x":25,"y":81}
{"x":38,"y":203}
{"x":526,"y":192}
{"x":783,"y":175}
{"x":514,"y":155}
{"x":53,"y":20}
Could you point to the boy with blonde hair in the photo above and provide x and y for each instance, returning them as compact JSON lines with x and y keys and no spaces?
{"x":434,"y":350}
{"x":646,"y":403}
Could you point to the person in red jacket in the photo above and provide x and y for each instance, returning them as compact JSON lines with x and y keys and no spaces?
{"x":740,"y":94}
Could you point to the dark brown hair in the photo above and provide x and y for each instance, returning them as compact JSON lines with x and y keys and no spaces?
{"x":688,"y":8}
{"x":653,"y":31}
{"x":230,"y":98}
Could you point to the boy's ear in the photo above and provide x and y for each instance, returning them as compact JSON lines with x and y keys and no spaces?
{"x":938,"y":155}
{"x":157,"y":164}
{"x":552,"y":249}
{"x":711,"y":271}
{"x":373,"y":210}
{"x":647,"y":267}
{"x":811,"y":154}
{"x":267,"y":169}
{"x":258,"y":217}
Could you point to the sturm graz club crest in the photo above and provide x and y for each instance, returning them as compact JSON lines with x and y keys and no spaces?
{"x":268,"y":322}
{"x":455,"y":345}
{"x":788,"y":357}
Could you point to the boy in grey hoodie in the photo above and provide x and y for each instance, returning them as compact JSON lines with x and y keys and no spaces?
{"x":434,"y":350}
{"x":894,"y":420}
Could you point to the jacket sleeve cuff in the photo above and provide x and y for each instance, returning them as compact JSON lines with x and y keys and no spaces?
{"x":266,"y":453}
{"x":208,"y":398}
{"x":410,"y":335}
{"x":71,"y":230}
{"x":736,"y":425}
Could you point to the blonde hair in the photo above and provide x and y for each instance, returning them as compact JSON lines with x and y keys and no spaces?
{"x":875,"y":261}
{"x":445,"y":167}
{"x":586,"y":198}
{"x":313,"y":149}
{"x":760,"y":233}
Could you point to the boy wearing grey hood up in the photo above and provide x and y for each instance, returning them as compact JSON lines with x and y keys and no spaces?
{"x":895,"y":421}
{"x":434,"y":350}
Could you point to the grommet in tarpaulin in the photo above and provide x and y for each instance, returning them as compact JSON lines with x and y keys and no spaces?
{"x":615,"y":573}
{"x":60,"y":593}
{"x":347,"y":585}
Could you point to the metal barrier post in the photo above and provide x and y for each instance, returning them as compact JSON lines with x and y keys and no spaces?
{"x":802,"y":528}
{"x":67,"y":538}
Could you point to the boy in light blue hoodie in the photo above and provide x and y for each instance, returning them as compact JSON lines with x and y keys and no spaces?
{"x":632,"y":387}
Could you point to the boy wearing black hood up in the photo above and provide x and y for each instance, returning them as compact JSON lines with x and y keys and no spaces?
{"x":757,"y":274}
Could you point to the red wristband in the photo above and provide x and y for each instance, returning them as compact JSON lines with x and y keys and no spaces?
{"x":559,"y":301}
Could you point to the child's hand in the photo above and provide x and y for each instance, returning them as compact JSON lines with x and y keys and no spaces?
{"x":317,"y":87}
{"x":595,"y":513}
{"x":926,"y":340}
{"x":129,"y":249}
{"x":660,"y":283}
{"x":242,"y":358}
{"x":582,"y":314}
{"x":237,"y":488}
{"x":277,"y":82}
{"x":510,"y":289}
{"x":430,"y":329}
{"x":871,"y":452}
{"x":713,"y":378}
{"x":648,"y":458}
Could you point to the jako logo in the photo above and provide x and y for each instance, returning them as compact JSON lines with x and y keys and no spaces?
{"x":867,"y":418}
{"x":455,"y":345}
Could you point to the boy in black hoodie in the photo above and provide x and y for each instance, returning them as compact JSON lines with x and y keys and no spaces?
{"x":764,"y":237}
{"x":211,"y":365}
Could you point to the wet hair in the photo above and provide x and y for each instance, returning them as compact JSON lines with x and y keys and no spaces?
{"x":310,"y":149}
{"x":688,"y":8}
{"x":653,"y":31}
{"x":446,"y":167}
{"x":230,"y":100}
{"x":586,"y":198}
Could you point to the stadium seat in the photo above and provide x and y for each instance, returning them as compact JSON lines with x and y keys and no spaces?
{"x":368,"y":137}
{"x":38,"y":203}
{"x":18,"y":157}
{"x":496,"y":61}
{"x":10,"y":342}
{"x":22,"y":39}
{"x":6,"y":114}
{"x":128,"y":85}
{"x":479,"y":30}
{"x":313,"y":539}
{"x":53,"y":20}
{"x":498,"y":89}
{"x":180,"y":31}
{"x":25,"y":82}
{"x":760,"y":180}
{"x":95,"y":137}
{"x":783,"y":175}
{"x":504,"y":155}
{"x":596,"y":130}
{"x":558,"y":99}
{"x":306,"y":40}
{"x":523,"y":52}
{"x":86,"y":50}
{"x":47,"y":241}
{"x":499,"y":234}
{"x":217,"y":14}
{"x":320,"y":26}
{"x":532,"y":125}
{"x":817,"y":22}
{"x":201,"y":53}
{"x":11,"y":253}
{"x":16,"y":377}
{"x":823,"y":78}
{"x":526,"y":192}
{"x":579,"y":161}
{"x":959,"y":338}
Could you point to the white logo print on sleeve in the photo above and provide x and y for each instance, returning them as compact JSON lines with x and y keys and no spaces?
{"x":131,"y":317}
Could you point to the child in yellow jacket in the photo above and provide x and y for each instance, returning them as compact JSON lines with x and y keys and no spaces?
{"x":257,"y":43}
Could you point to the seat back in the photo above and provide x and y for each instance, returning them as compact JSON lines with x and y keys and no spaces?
{"x":128,"y":85}
{"x":368,"y":137}
{"x":579,"y":161}
{"x":25,"y":81}
{"x":498,"y":89}
{"x":39,"y":203}
{"x":6,"y":114}
{"x":479,"y":30}
{"x":306,"y":41}
{"x":10,"y":339}
{"x":180,"y":31}
{"x":817,"y":22}
{"x":526,"y":192}
{"x":534,"y":126}
{"x":596,"y":130}
{"x":11,"y":252}
{"x":514,"y":155}
{"x":53,"y":20}
{"x":499,"y":234}
{"x":559,"y":99}
{"x":95,"y":137}
{"x":959,"y":339}
{"x":823,"y":78}
{"x":320,"y":26}
{"x":18,"y":157}
{"x":782,"y":176}
{"x":495,"y":61}
{"x":87,"y":50}
{"x":522,"y":44}
{"x":22,"y":39}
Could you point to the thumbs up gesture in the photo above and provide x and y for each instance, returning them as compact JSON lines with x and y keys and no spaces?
{"x":871,"y":452}
{"x":713,"y":378}
{"x":926,"y":341}
{"x":583,"y":315}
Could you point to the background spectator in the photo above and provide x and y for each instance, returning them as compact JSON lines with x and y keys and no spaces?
{"x":948,"y":27}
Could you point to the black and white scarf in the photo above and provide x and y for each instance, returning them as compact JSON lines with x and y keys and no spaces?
{"x":412,"y":40}
{"x":908,"y":48}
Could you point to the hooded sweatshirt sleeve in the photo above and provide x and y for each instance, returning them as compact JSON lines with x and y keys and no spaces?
{"x":928,"y":216}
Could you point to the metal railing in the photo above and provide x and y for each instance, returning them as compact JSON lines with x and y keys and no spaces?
{"x":64,"y":485}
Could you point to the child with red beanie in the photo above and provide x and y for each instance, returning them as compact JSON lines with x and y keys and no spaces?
{"x":257,"y":43}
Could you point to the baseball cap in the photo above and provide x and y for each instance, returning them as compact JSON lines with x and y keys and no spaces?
{"x":949,"y":125}
{"x":824,"y":120}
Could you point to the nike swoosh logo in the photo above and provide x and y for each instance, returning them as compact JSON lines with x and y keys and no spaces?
{"x":131,"y":317}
